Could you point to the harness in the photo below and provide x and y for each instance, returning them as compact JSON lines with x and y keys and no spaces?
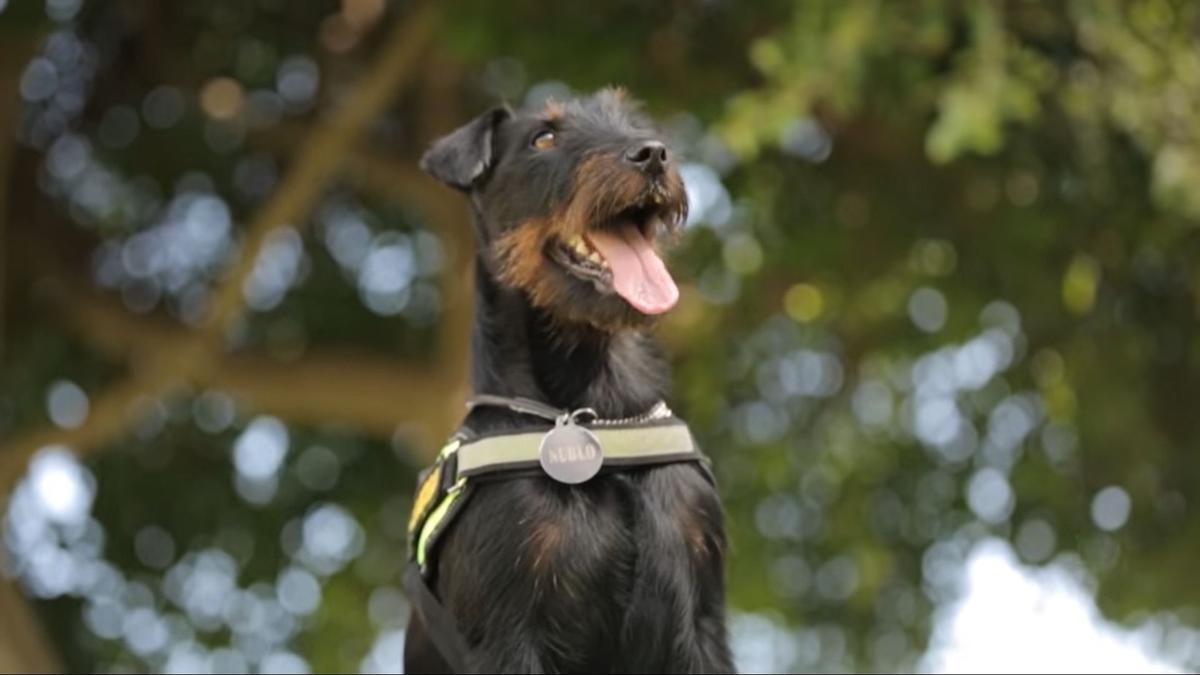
{"x":579,"y":446}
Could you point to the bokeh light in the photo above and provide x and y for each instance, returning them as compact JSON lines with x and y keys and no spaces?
{"x":933,"y":327}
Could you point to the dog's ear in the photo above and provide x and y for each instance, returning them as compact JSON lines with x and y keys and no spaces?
{"x":463,"y":156}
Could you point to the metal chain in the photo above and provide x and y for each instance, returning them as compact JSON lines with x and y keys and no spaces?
{"x":559,"y":416}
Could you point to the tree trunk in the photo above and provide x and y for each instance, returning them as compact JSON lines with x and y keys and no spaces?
{"x":23,"y":645}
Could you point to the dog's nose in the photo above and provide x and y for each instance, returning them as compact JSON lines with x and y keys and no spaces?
{"x":649,"y":156}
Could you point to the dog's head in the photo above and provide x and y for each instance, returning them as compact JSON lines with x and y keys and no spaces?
{"x":573,"y":200}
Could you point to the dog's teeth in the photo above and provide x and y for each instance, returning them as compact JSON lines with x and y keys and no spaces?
{"x":595,"y":257}
{"x":578,"y":246}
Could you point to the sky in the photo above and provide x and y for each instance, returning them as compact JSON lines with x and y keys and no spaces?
{"x":1007,"y":617}
{"x":1012,"y":618}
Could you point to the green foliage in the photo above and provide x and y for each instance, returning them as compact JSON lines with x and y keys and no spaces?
{"x":958,"y":244}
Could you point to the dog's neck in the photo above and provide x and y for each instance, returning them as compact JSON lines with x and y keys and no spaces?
{"x":519,"y":350}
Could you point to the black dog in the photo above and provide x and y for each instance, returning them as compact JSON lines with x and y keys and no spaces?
{"x":625,"y":572}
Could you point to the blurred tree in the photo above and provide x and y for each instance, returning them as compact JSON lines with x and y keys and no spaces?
{"x":939,"y":284}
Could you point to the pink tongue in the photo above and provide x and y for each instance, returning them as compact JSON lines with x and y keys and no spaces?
{"x":639,"y":275}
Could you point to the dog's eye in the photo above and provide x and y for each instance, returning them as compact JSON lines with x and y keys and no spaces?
{"x":544,"y":140}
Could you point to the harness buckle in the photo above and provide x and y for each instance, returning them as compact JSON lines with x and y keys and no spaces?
{"x":449,"y":473}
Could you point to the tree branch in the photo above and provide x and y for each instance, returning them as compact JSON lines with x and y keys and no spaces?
{"x":366,"y":392}
{"x":322,"y":156}
{"x":355,"y":389}
{"x":384,"y":177}
{"x":439,"y":115}
{"x":371,"y":394}
{"x":193,"y":359}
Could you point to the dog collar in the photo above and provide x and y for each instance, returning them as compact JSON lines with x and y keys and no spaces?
{"x":562,"y":452}
{"x":528,"y":406}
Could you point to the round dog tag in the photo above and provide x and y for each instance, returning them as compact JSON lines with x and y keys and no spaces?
{"x":571,"y":454}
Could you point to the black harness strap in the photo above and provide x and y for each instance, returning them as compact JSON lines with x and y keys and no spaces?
{"x":439,"y":624}
{"x":525,"y":406}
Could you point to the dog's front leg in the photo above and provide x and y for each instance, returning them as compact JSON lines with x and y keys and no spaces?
{"x":676,"y":622}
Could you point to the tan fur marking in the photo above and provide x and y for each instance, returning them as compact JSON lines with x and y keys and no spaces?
{"x":602,"y":188}
{"x":544,"y":542}
{"x":554,"y":111}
